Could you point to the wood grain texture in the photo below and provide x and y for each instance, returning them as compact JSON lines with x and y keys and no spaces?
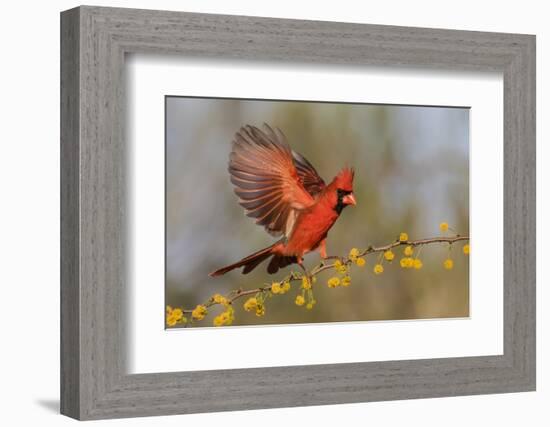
{"x":70,"y":221}
{"x":94,"y":242}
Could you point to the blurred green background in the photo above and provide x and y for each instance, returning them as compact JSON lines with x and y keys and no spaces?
{"x":412,"y":173}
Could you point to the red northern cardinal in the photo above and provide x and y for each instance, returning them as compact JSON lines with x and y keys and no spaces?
{"x":283,"y":192}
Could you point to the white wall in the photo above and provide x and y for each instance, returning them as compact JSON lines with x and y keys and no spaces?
{"x":29,"y":226}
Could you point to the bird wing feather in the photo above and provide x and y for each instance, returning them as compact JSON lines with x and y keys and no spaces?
{"x":263,"y":170}
{"x":311,"y":180}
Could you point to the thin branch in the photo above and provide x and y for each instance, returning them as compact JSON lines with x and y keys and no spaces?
{"x":373,"y":250}
{"x":345,"y":260}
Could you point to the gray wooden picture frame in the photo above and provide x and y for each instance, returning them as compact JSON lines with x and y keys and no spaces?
{"x":94,"y":41}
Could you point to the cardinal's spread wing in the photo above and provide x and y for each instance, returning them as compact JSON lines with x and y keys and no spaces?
{"x":266,"y":181}
{"x":311,"y":180}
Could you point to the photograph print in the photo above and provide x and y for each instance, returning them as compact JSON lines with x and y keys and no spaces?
{"x":292,"y":212}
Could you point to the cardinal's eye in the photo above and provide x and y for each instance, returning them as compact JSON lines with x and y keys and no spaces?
{"x":342,"y":193}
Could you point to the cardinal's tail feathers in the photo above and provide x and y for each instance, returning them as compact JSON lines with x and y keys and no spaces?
{"x":249,"y":263}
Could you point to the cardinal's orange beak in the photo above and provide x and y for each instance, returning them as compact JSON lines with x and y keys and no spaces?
{"x":349,"y":199}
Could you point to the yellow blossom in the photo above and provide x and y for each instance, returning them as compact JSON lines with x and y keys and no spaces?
{"x":285,"y":287}
{"x":403,"y":237}
{"x":173,"y":316}
{"x":378,"y":269}
{"x":306,"y":284}
{"x":310,"y":304}
{"x":418,"y":264}
{"x":199,"y":312}
{"x":389,"y":255}
{"x":169,"y":319}
{"x":276,"y":288}
{"x":230,"y":315}
{"x":443,"y":226}
{"x":177,"y":313}
{"x":353,"y":254}
{"x":220,"y":299}
{"x":225,"y":318}
{"x":250,"y":304}
{"x":408,"y":251}
{"x":406,"y":262}
{"x":360,"y":262}
{"x":466,"y":249}
{"x":333,"y":282}
{"x":448,"y":264}
{"x":260,"y":310}
{"x":346,"y":281}
{"x":340,"y":267}
{"x":220,"y":319}
{"x":300,"y":300}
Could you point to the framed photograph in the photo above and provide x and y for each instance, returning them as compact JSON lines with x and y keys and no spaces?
{"x":278,"y":213}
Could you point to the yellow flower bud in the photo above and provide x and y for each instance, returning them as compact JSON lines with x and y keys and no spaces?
{"x":276,"y":288}
{"x":406,"y":262}
{"x":403,"y":237}
{"x":340,"y":267}
{"x":250,"y":304}
{"x":199,"y":312}
{"x":225,"y":318}
{"x":218,"y":320}
{"x":300,"y":300}
{"x":466,"y":249}
{"x":260,"y":310}
{"x":285,"y":287}
{"x":448,"y":264}
{"x":177,"y":313}
{"x":353,"y":254}
{"x":378,"y":269}
{"x":443,"y":226}
{"x":219,"y":299}
{"x":333,"y":282}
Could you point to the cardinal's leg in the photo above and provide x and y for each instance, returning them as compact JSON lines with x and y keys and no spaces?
{"x":323,"y":248}
{"x":300,"y":262}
